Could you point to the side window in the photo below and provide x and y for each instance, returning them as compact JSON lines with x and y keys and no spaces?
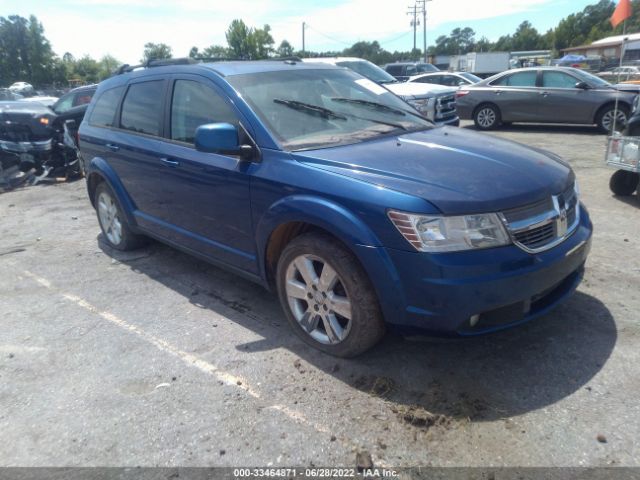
{"x":82,"y":98}
{"x":411,"y":70}
{"x":429,"y":79}
{"x":142,"y":107}
{"x":195,"y":104}
{"x":558,"y":80}
{"x":105,"y":108}
{"x":65,"y":103}
{"x":519,"y":79}
{"x":394,"y":69}
{"x":450,"y":80}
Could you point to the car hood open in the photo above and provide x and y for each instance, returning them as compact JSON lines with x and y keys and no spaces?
{"x":456,"y":170}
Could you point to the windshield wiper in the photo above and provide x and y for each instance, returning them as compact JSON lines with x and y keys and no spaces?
{"x":369,"y":103}
{"x":310,"y":108}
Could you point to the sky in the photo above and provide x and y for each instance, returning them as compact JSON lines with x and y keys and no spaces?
{"x":122,"y":27}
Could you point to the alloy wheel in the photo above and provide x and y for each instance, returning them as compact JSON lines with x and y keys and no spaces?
{"x":109,"y":218}
{"x":620,"y":118}
{"x":486,"y":117}
{"x":318,"y":299}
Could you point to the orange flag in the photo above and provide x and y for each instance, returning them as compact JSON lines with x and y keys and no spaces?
{"x":622,"y":12}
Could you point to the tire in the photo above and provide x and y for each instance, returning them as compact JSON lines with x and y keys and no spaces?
{"x":604,"y":119}
{"x":624,"y":183}
{"x":309,"y":301}
{"x":487,"y":117}
{"x":115,"y":229}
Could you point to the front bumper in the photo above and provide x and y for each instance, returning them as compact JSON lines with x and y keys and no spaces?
{"x":440,"y":293}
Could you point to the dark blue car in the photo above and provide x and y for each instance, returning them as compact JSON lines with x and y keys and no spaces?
{"x":320,"y":184}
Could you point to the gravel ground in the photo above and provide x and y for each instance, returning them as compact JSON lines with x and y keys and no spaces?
{"x":154,"y":358}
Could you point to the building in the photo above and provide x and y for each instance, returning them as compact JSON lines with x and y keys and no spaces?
{"x":609,"y":48}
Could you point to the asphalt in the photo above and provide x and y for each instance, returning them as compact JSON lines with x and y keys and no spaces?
{"x":153,"y":358}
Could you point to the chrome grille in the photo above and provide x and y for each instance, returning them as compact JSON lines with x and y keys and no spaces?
{"x":445,"y":106}
{"x":544,"y":224}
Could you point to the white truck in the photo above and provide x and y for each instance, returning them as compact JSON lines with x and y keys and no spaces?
{"x":436,"y":102}
{"x":481,"y":64}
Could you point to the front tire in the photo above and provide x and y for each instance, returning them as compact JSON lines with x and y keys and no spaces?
{"x":605,"y":118}
{"x":624,"y":183}
{"x":487,"y":117}
{"x":327,"y":297}
{"x":113,"y":223}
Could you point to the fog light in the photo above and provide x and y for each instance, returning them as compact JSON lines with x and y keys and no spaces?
{"x":473,"y":321}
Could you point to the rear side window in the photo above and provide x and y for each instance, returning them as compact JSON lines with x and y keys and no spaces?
{"x":519,"y":79}
{"x":429,"y":79}
{"x":195,"y":104}
{"x":105,"y":108}
{"x":142,"y":108}
{"x":394,"y":69}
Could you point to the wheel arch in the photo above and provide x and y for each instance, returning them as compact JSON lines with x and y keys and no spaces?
{"x":487,"y":103}
{"x":99,"y":171}
{"x":610,"y":103}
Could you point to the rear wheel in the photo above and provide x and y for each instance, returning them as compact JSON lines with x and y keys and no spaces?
{"x":486,"y":117}
{"x":327,"y":297}
{"x":624,"y":183}
{"x":113,"y":223}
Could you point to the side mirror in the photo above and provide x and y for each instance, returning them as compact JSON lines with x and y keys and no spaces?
{"x":462,"y":83}
{"x":221,"y":138}
{"x":583,"y":85}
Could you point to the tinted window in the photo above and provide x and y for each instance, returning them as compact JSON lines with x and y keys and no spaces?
{"x":193,"y":105}
{"x":519,"y":79}
{"x":64,"y":104}
{"x":142,"y":108}
{"x":558,"y":80}
{"x":394,"y":69}
{"x":426,"y":68}
{"x":105,"y":108}
{"x":429,"y":79}
{"x":451,"y":80}
{"x":82,"y":98}
{"x":411,"y":70}
{"x":369,"y":70}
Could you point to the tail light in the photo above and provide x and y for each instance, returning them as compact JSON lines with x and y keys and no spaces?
{"x":462,"y":93}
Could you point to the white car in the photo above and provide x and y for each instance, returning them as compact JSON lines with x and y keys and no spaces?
{"x":448,"y":79}
{"x":21,"y":87}
{"x":435,"y":102}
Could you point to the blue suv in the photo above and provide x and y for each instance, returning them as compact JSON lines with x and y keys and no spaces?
{"x":321,"y":185}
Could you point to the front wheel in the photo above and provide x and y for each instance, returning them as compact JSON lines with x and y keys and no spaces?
{"x":486,"y":117}
{"x":624,"y":183}
{"x":112,"y":221}
{"x":609,"y":115}
{"x":327,"y":297}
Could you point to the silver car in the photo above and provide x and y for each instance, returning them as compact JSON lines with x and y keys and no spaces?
{"x":544,"y":95}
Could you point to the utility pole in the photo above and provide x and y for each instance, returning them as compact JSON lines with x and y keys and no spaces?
{"x":423,"y":10}
{"x":415,"y":22}
{"x":304,"y":26}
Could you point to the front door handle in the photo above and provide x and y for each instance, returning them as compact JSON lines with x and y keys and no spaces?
{"x":112,"y":147}
{"x":544,"y":94}
{"x":170,"y":163}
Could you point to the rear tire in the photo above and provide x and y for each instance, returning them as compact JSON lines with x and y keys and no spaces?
{"x":113,"y":223}
{"x":624,"y":183}
{"x":487,"y":117}
{"x":327,"y":297}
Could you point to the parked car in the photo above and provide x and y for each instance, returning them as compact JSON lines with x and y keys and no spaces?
{"x":448,"y":79}
{"x":23,"y":88}
{"x":74,"y":98}
{"x":403,"y":70}
{"x":8,"y":95}
{"x":43,"y":100}
{"x":544,"y":95}
{"x":313,"y":181}
{"x":435,"y":102}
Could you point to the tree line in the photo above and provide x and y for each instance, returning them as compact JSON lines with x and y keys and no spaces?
{"x":27,"y":55}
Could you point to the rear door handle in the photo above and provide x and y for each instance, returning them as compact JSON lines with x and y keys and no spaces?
{"x":170,"y":163}
{"x":112,"y":147}
{"x":544,"y":94}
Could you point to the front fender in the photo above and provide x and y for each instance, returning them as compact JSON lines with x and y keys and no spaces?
{"x":99,"y":166}
{"x":351,"y":230}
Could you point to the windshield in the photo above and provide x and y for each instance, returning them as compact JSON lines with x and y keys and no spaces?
{"x":590,"y":79}
{"x":426,"y":68}
{"x":369,"y":70}
{"x":470,"y":76}
{"x":308,"y":109}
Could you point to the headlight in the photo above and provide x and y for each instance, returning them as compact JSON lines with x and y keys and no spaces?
{"x":420,"y":104}
{"x":432,"y":233}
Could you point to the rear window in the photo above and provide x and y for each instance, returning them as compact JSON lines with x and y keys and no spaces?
{"x":105,"y":109}
{"x":142,"y":108}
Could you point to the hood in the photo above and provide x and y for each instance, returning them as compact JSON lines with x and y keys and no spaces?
{"x":419,"y":90}
{"x":456,"y":170}
{"x":25,"y":121}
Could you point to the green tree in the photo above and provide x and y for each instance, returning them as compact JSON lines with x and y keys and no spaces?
{"x":216,"y":51}
{"x":239,"y":38}
{"x":107,"y":65}
{"x":285,"y":49}
{"x":262,"y":42}
{"x":87,"y":70}
{"x":156,"y":51}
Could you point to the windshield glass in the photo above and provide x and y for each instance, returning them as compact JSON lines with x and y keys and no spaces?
{"x":590,"y":79}
{"x":470,"y":76}
{"x":426,"y":68}
{"x":308,"y":109}
{"x":369,"y":70}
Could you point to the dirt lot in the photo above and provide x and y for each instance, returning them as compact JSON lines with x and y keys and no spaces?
{"x":154,"y":358}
